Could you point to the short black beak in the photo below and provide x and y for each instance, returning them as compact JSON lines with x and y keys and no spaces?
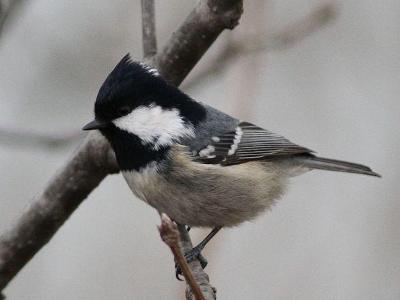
{"x":95,"y":124}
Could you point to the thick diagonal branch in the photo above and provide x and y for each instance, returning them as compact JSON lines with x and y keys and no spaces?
{"x":94,"y":160}
{"x":50,"y":209}
{"x":197,"y":33}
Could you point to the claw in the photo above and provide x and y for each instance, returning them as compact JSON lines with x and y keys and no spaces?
{"x":190,"y":256}
{"x":178,"y":272}
{"x":195,"y":253}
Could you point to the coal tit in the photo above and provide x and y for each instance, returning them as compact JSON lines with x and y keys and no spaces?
{"x":195,"y":163}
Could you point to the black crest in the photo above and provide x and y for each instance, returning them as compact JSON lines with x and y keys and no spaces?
{"x":132,"y":84}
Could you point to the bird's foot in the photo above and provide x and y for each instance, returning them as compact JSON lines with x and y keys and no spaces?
{"x":190,"y":256}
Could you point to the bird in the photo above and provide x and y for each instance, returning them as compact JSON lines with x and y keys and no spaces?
{"x":199,"y":165}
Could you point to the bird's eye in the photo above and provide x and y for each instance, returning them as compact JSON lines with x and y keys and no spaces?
{"x":123,"y":111}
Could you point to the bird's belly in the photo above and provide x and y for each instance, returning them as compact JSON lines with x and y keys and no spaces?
{"x":209,"y":196}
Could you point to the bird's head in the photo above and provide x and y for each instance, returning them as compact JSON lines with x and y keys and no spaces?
{"x":136,"y":100}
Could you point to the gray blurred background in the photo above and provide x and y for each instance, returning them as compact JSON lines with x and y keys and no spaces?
{"x":335,"y":90}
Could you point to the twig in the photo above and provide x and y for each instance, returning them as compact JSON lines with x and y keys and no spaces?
{"x":18,"y":137}
{"x":6,"y":8}
{"x":148,"y":29}
{"x":94,"y":160}
{"x":301,"y":29}
{"x":170,"y":235}
{"x":280,"y":40}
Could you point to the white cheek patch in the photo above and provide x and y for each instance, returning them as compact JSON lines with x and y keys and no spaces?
{"x":155,"y":125}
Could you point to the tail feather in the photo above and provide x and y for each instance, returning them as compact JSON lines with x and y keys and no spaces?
{"x":321,"y":163}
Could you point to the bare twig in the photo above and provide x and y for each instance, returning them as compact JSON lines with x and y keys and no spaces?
{"x":19,"y":137}
{"x":94,"y":160}
{"x":148,"y":29}
{"x":286,"y":37}
{"x":299,"y":30}
{"x":6,"y":8}
{"x":170,"y":235}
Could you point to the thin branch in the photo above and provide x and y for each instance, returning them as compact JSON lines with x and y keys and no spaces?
{"x":170,"y":235}
{"x":6,"y":9}
{"x":148,"y":29}
{"x":94,"y":160}
{"x":301,"y":29}
{"x":283,"y":39}
{"x":19,"y":137}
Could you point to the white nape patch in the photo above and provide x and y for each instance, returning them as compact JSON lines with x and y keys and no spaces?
{"x":155,"y":125}
{"x":236,"y":141}
{"x":152,"y":71}
{"x":215,"y":139}
{"x":208,"y":152}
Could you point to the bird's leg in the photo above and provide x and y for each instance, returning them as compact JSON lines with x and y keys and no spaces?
{"x":195,"y":253}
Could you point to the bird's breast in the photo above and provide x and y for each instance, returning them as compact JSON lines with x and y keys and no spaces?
{"x":206,"y":195}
